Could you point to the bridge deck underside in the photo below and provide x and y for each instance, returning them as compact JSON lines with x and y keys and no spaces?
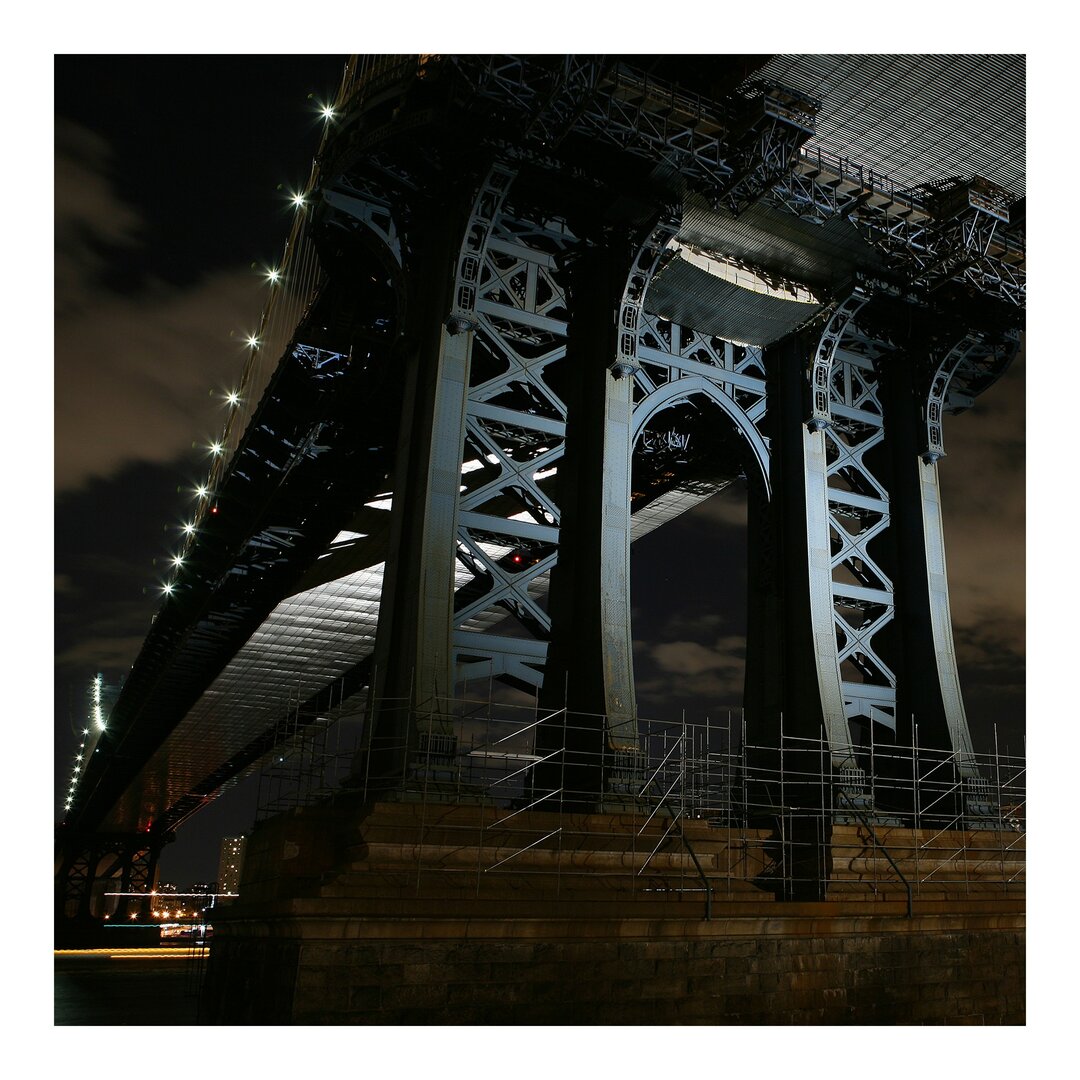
{"x":309,"y":641}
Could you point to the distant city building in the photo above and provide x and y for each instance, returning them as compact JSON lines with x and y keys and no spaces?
{"x":165,"y":887}
{"x":230,"y":864}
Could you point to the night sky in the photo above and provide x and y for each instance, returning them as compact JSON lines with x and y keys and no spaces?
{"x":170,"y":180}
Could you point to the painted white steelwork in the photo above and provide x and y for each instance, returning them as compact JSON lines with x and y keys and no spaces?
{"x":859,"y":509}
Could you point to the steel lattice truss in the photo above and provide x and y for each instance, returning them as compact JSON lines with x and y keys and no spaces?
{"x":752,"y":146}
{"x":859,"y":512}
{"x":678,"y":363}
{"x":961,"y":233}
{"x":508,"y":521}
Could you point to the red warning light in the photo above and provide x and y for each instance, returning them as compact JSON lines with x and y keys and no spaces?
{"x":516,"y":559}
{"x":213,"y":509}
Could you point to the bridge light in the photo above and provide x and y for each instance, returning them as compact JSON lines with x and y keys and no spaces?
{"x":167,"y":588}
{"x":328,"y":112}
{"x":189,"y":527}
{"x":215,"y":448}
{"x":232,"y":397}
{"x":178,"y":560}
{"x":201,"y":492}
{"x":273,"y":276}
{"x":252,"y":341}
{"x":298,"y":200}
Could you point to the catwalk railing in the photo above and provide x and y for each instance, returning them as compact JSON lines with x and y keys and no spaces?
{"x":496,"y":800}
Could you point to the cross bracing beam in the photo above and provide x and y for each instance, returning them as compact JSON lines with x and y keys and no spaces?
{"x":929,"y":239}
{"x":749,"y":144}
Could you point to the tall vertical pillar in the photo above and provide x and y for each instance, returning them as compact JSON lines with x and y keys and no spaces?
{"x":928,"y":691}
{"x":413,"y":656}
{"x":793,"y":676}
{"x":793,"y":693}
{"x":590,"y":657}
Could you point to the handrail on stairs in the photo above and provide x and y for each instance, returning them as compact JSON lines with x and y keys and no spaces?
{"x":877,"y":844}
{"x":682,"y":835}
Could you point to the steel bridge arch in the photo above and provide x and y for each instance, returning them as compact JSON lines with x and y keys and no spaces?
{"x":673,"y":392}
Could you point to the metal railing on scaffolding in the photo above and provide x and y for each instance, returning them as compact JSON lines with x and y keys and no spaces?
{"x":696,"y":811}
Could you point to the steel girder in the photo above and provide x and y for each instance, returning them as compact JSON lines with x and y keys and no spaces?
{"x":127,"y":861}
{"x":678,"y":364}
{"x":929,"y":238}
{"x":739,"y":150}
{"x":859,"y":513}
{"x":508,"y":516}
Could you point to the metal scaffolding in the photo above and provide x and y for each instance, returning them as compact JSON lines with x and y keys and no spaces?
{"x":696,"y":813}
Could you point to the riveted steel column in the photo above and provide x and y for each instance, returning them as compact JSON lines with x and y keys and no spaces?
{"x":793,"y":687}
{"x":928,"y":693}
{"x":414,"y":661}
{"x":590,"y":658}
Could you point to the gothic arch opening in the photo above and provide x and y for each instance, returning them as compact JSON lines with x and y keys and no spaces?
{"x":694,"y":469}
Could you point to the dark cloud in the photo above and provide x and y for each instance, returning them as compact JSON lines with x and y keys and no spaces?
{"x":91,"y":224}
{"x":695,"y":658}
{"x":135,"y":369}
{"x":729,"y":508}
{"x":101,"y":653}
{"x":984,"y":504}
{"x":708,"y":673}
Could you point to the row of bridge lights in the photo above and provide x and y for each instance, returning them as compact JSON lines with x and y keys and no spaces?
{"x":97,"y":721}
{"x":273,"y":276}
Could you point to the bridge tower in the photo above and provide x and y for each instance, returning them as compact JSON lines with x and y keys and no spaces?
{"x":570,"y":251}
{"x":533,"y":308}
